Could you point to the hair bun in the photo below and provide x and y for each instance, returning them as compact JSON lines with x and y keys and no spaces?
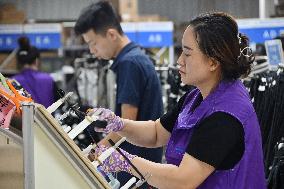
{"x":24,"y":43}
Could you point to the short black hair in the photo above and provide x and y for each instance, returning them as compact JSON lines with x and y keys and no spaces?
{"x":27,"y":54}
{"x":98,"y":16}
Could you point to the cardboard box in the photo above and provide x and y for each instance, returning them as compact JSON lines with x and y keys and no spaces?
{"x":128,"y":9}
{"x":10,"y":15}
{"x":7,"y":7}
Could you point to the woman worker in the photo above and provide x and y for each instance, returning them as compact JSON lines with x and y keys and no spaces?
{"x":39,"y":84}
{"x":212,"y":136}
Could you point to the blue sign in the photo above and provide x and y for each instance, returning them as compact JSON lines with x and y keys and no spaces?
{"x":43,"y":36}
{"x":155,"y":39}
{"x":48,"y":36}
{"x":45,"y":40}
{"x":260,"y":35}
{"x":150,"y":34}
{"x":260,"y":30}
{"x":9,"y":33}
{"x":8,"y":41}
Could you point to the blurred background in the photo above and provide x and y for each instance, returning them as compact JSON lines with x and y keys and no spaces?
{"x":157,"y":26}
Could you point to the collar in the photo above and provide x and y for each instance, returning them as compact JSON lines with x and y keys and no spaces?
{"x":121,"y":54}
{"x":189,"y":117}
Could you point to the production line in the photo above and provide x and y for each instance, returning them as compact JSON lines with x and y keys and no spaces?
{"x":45,"y":114}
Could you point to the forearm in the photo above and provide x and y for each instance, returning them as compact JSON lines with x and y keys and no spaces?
{"x":163,"y":176}
{"x":140,"y":133}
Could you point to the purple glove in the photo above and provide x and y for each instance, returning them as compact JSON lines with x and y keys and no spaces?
{"x":114,"y":123}
{"x":115,"y":162}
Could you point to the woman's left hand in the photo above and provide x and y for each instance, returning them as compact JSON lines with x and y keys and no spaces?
{"x":115,"y":162}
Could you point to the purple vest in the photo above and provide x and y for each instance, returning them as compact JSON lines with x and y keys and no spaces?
{"x":232,"y":98}
{"x":40,"y":85}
